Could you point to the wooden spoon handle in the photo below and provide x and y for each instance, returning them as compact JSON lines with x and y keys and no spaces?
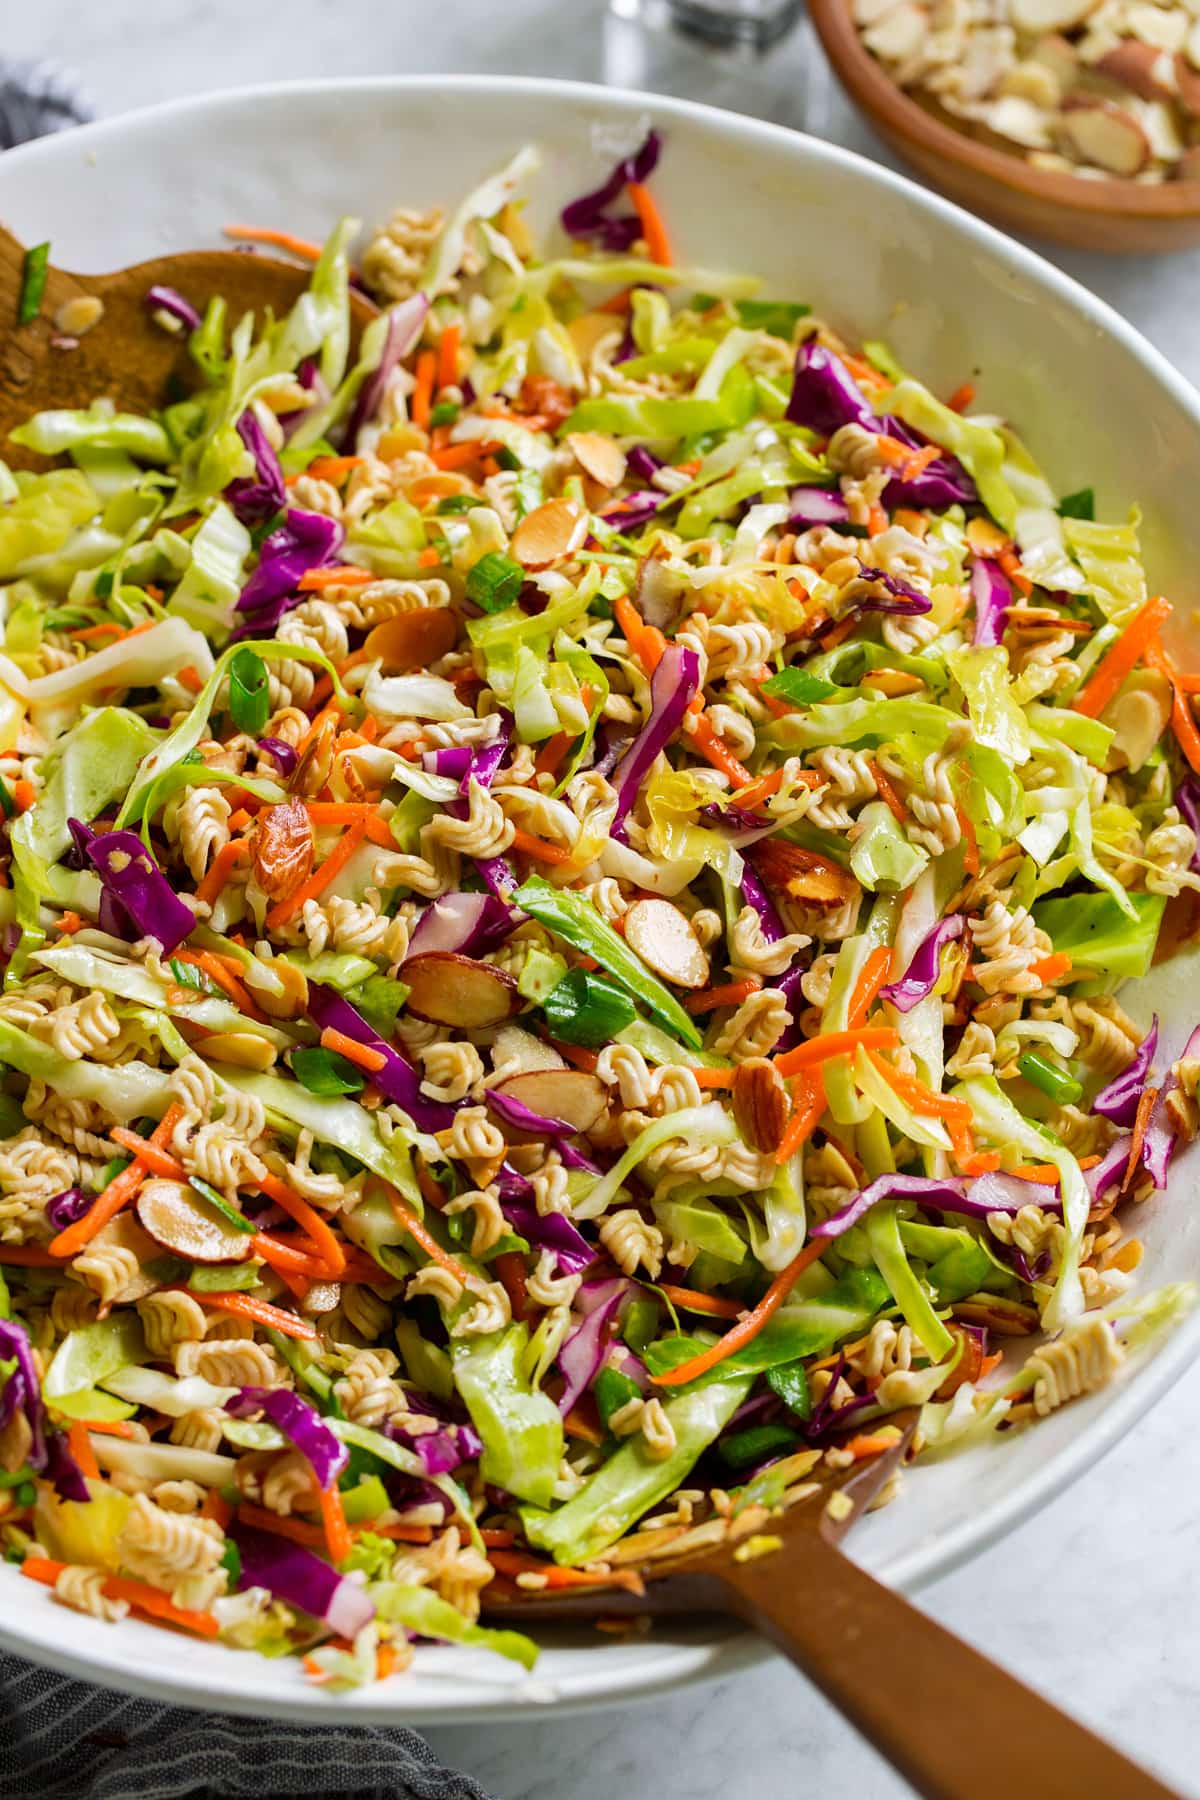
{"x":957,"y":1726}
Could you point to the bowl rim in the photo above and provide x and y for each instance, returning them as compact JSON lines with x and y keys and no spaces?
{"x":899,"y":115}
{"x":1113,"y":1414}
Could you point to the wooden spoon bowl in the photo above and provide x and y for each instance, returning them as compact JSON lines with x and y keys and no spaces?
{"x":956,"y":1726}
{"x":1102,"y":214}
{"x":127,"y":356}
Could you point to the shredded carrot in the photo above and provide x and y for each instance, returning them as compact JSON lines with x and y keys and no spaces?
{"x":747,"y":1328}
{"x":511,"y":1269}
{"x":457,"y":456}
{"x":918,"y":1096}
{"x":217,"y":1508}
{"x":873,"y":976}
{"x":658,"y":244}
{"x":152,"y":1600}
{"x":808,"y":1098}
{"x":551,"y":754}
{"x":715,"y":750}
{"x":1182,"y":722}
{"x":577,"y":1055}
{"x":421,"y":1235}
{"x":871,"y":1443}
{"x":962,"y":397}
{"x":361,"y":1054}
{"x":429,"y":558}
{"x":620,"y":302}
{"x":70,"y":923}
{"x":218,"y":970}
{"x":693,"y":1301}
{"x":329,"y":1246}
{"x":43,"y":1569}
{"x":279,"y":240}
{"x":1145,"y":1107}
{"x":970,"y":841}
{"x":713,"y":1078}
{"x":1045,"y":1173}
{"x":887,"y":793}
{"x":335,"y":575}
{"x":320,"y":878}
{"x":1088,"y":1162}
{"x":1120,"y":660}
{"x":891,"y":450}
{"x":1051,"y":968}
{"x":1010,"y":562}
{"x":24,"y":794}
{"x":731,"y":994}
{"x":317,"y":724}
{"x":334,"y":468}
{"x":917,"y":461}
{"x":403,"y":1534}
{"x":385,"y":1661}
{"x":539,"y":849}
{"x":119,"y":1192}
{"x":157,"y":1161}
{"x":245,"y":1306}
{"x":760,"y":790}
{"x":646,"y":641}
{"x":289,"y":1261}
{"x":80,"y":1446}
{"x":514,"y":1562}
{"x":106,"y":628}
{"x":337,"y":1532}
{"x":494,"y":1538}
{"x":877,"y":524}
{"x":982,"y":1162}
{"x":447,"y":356}
{"x":29,"y":1256}
{"x":836,"y":1043}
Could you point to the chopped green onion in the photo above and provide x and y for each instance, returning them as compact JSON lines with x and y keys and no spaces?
{"x":508,"y":459}
{"x":587,"y":1009}
{"x":259,"y":532}
{"x":188,"y":975}
{"x":1078,"y":506}
{"x":231,"y":1214}
{"x":495,"y":582}
{"x":778,"y":317}
{"x":790,"y":1382}
{"x":798,"y":687}
{"x":458,"y":503}
{"x":444,"y":413}
{"x":26,"y":1494}
{"x":230,"y":1559}
{"x":1053,"y":1081}
{"x":746,"y":1448}
{"x":326,"y":1073}
{"x":612,"y":1391}
{"x":8,"y":805}
{"x":640,"y":1326}
{"x":249,"y":693}
{"x":221,"y":1278}
{"x":33,"y":282}
{"x":111,"y":1170}
{"x":103,"y":586}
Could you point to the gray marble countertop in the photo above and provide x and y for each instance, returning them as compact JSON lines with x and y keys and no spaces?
{"x":1094,"y":1602}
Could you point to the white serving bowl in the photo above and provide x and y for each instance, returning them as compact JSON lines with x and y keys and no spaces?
{"x":957,"y":301}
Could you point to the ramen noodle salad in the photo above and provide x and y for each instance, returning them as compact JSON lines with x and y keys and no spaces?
{"x":566,"y":870}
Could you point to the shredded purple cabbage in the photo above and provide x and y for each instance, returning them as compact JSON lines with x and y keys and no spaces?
{"x":672,"y":687}
{"x":825,"y":396}
{"x":986,"y":1194}
{"x":301,"y":1578}
{"x":1119,"y":1100}
{"x":62,"y":1471}
{"x":582,"y":1353}
{"x":140,"y":897}
{"x":304,"y":541}
{"x":170,"y":301}
{"x":283,"y":754}
{"x":992,"y":597}
{"x":920,"y":978}
{"x":403,"y":329}
{"x":817,"y":506}
{"x":300,"y":1423}
{"x":67,"y":1207}
{"x":463,"y":924}
{"x":22,"y":1391}
{"x":586,"y":216}
{"x":256,"y":500}
{"x":552,"y":1232}
{"x":523,"y":1118}
{"x":397,"y":1079}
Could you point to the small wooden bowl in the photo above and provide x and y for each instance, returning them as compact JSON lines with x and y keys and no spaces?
{"x":1112,"y":215}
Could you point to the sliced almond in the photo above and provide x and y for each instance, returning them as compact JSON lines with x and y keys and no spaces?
{"x":600,"y":457}
{"x":568,"y":1094}
{"x":1138,"y":716}
{"x":522,"y":1053}
{"x":660,"y":594}
{"x":1059,"y":55}
{"x":760,"y":1104}
{"x":1187,"y":86}
{"x":1145,"y":71}
{"x":985,"y":538}
{"x":1099,"y":132}
{"x":176,"y":1217}
{"x":549,"y":532}
{"x":804,"y":874}
{"x":244,"y":1049}
{"x":893,"y":682}
{"x":454,"y":990}
{"x":1050,"y":15}
{"x":590,"y":329}
{"x":899,"y":34}
{"x":413,"y":640}
{"x":1033,"y":81}
{"x":663,"y":937}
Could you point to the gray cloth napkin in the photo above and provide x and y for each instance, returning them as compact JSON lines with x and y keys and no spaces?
{"x":65,"y":1740}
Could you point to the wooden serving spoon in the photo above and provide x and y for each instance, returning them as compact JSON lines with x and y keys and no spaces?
{"x":127,"y":355}
{"x":953,"y":1723}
